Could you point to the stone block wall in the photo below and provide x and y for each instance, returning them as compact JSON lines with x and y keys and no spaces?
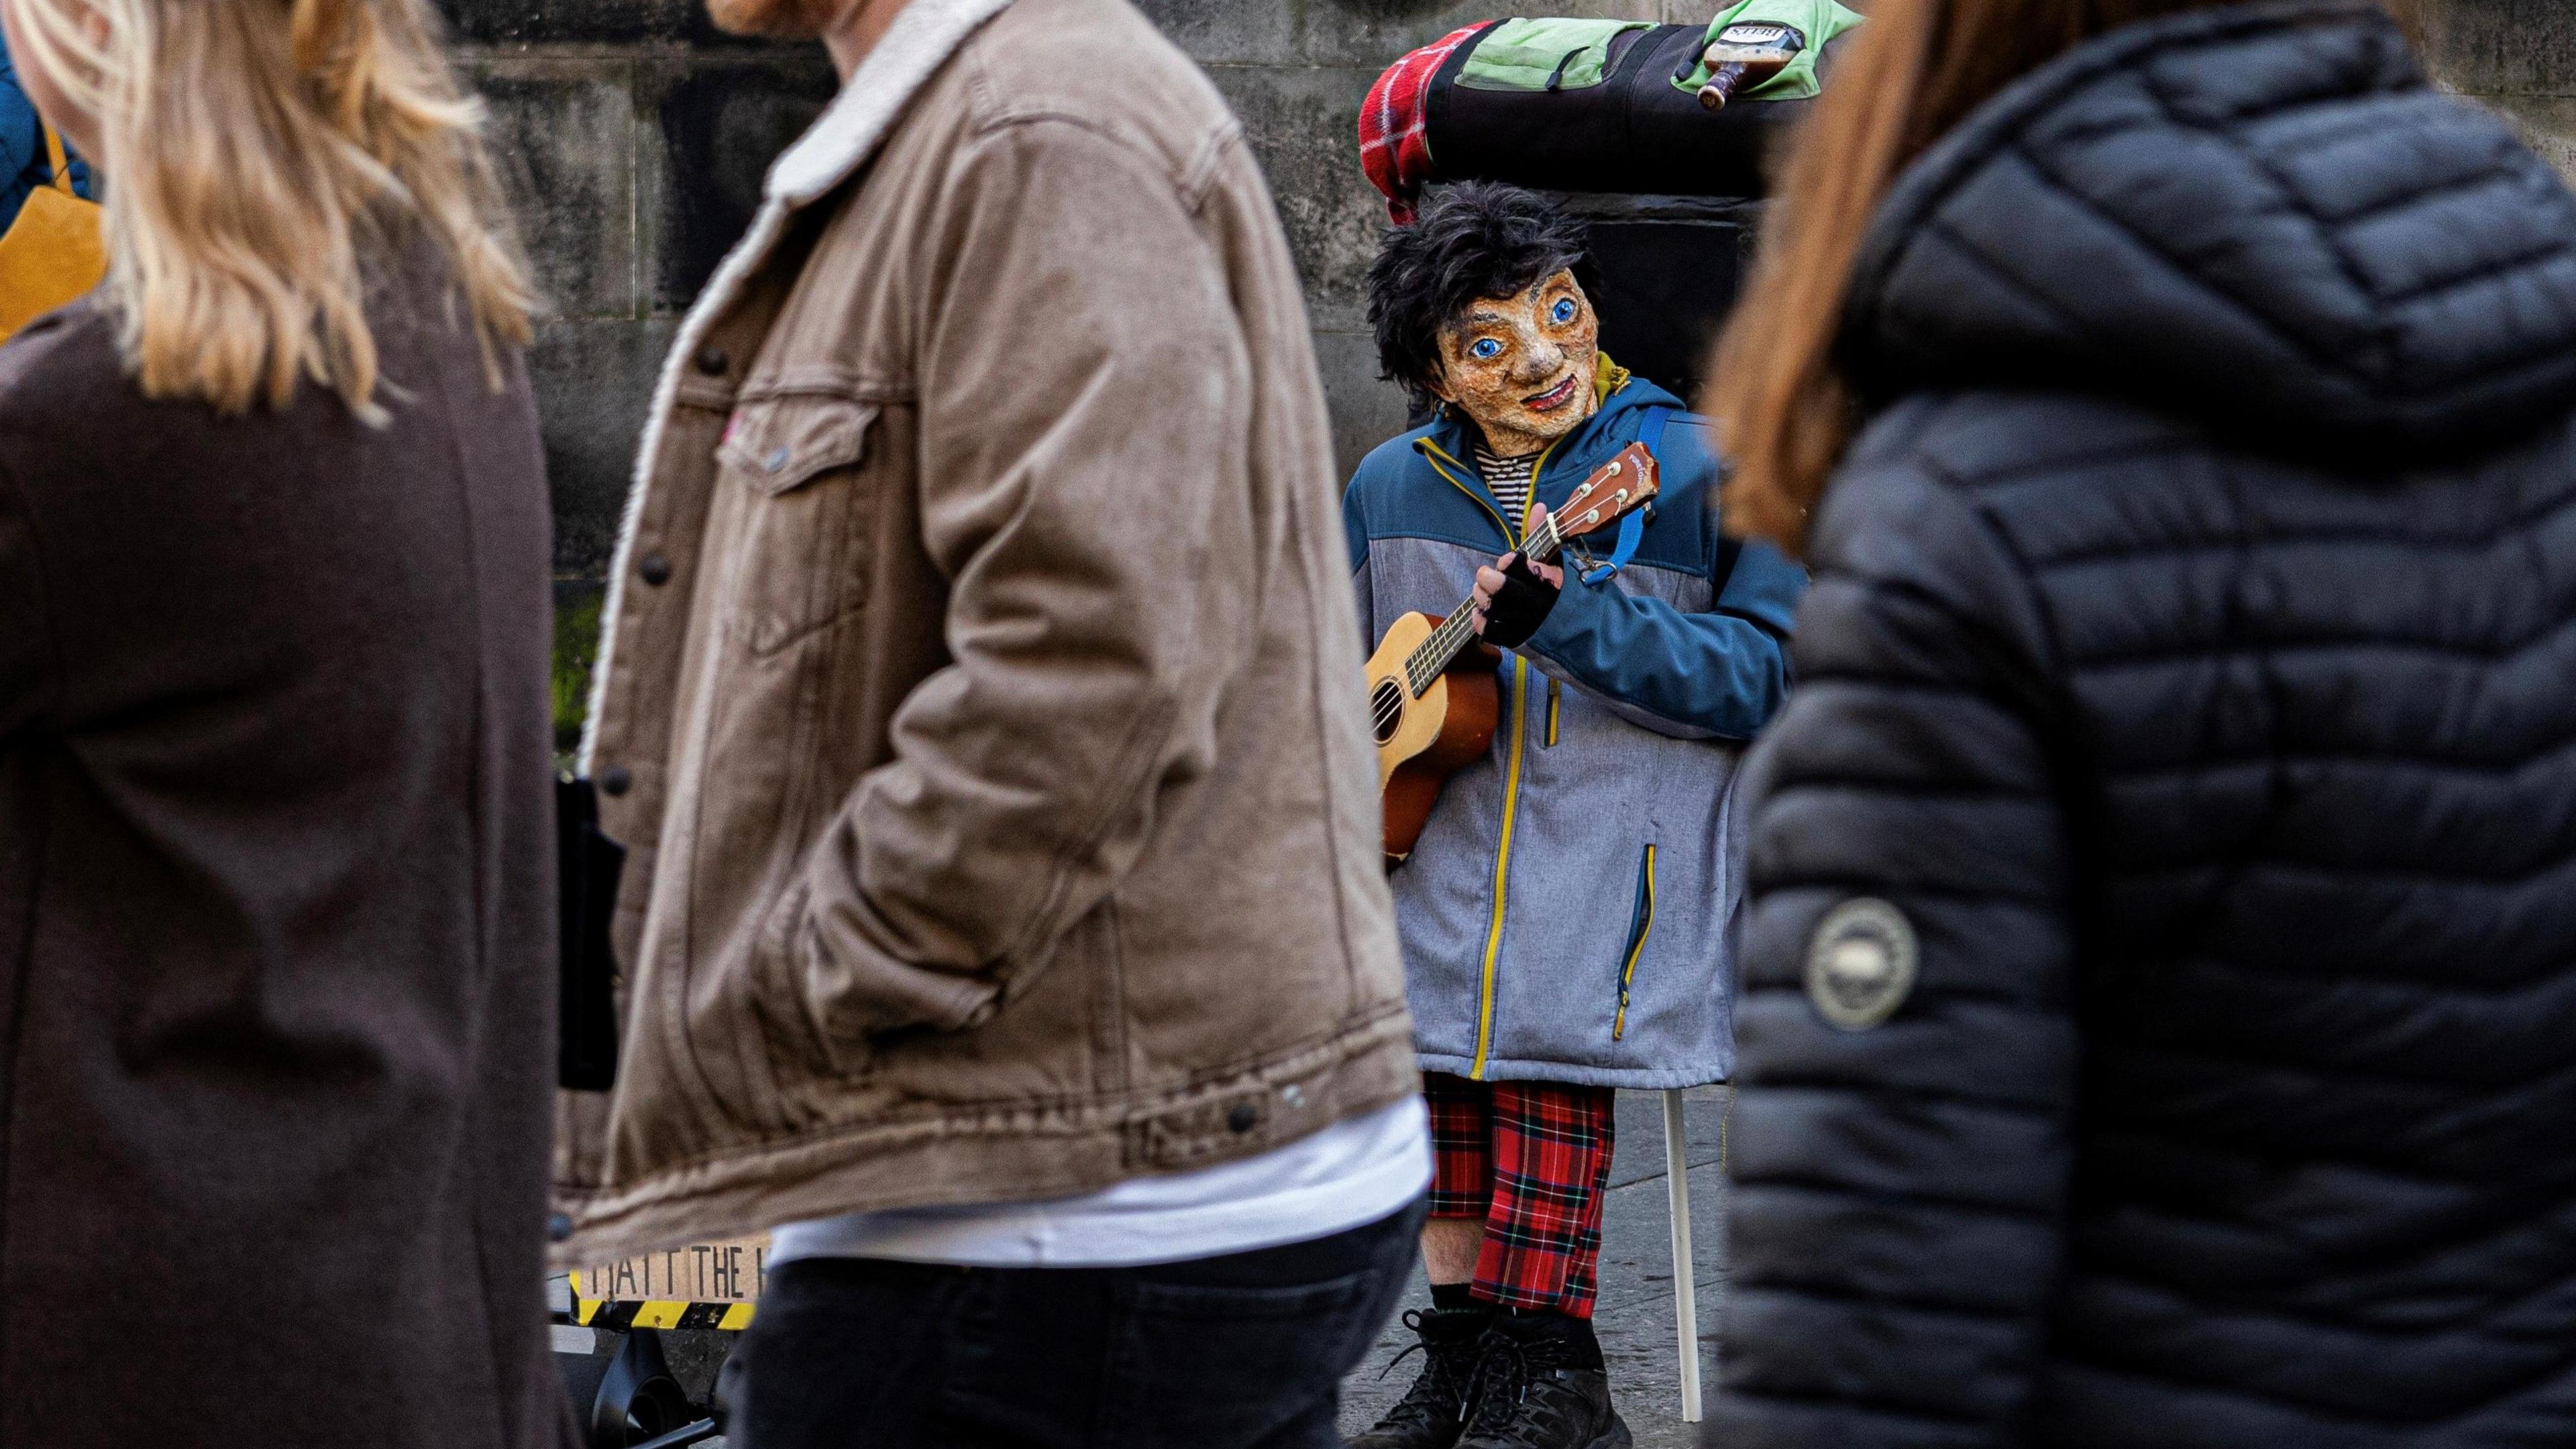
{"x":2516,"y":55}
{"x":636,"y":138}
{"x":1296,"y":72}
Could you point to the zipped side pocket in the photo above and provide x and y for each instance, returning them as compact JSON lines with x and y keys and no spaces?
{"x":1641,"y":924}
{"x":1555,"y":697}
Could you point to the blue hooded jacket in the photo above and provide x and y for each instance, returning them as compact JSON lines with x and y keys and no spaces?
{"x":24,"y":165}
{"x":1566,"y":914}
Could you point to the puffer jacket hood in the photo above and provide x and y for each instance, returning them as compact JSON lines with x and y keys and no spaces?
{"x":2207,"y":211}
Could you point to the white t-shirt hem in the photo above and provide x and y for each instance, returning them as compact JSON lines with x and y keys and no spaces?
{"x":1346,"y":1176}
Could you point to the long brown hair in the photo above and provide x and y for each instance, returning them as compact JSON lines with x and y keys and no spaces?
{"x":255,"y":155}
{"x":1916,"y":69}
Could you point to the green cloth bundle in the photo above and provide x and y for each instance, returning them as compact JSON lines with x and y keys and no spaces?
{"x":1544,"y":55}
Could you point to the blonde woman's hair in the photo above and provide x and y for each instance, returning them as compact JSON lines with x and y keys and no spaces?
{"x":264,"y":163}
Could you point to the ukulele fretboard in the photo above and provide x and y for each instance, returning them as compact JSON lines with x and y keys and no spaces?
{"x":1432,"y":657}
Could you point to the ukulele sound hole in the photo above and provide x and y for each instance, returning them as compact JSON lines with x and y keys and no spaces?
{"x":1386,"y":708}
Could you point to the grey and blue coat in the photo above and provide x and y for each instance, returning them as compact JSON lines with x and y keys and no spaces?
{"x":1566,"y":915}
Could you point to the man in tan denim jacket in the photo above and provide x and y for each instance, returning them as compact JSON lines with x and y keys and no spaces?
{"x":980,"y":706}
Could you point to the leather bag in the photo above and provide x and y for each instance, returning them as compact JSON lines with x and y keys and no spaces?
{"x":54,"y":252}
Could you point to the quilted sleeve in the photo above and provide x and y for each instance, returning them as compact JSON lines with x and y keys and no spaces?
{"x":1718,"y":673}
{"x":1906,"y":1055}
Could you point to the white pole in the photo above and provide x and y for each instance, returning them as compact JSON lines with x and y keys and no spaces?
{"x":1685,"y":1284}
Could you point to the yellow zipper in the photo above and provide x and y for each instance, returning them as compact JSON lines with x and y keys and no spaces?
{"x":1436,"y":455}
{"x":1511,"y":799}
{"x":1502,"y":866}
{"x":1432,"y":454}
{"x":1637,"y":949}
{"x":1555,"y":697}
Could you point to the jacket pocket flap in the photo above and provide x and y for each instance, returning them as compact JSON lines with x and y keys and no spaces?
{"x":782,"y":444}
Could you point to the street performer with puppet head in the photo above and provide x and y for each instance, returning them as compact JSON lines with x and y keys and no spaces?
{"x":1565,"y":913}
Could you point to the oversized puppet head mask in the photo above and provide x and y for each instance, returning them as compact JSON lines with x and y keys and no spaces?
{"x":1521,"y":367}
{"x":1479,"y":310}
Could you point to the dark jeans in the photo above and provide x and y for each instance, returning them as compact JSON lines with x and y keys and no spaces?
{"x":1239,"y":1352}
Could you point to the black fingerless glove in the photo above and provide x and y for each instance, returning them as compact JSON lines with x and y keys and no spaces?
{"x":1520,"y":606}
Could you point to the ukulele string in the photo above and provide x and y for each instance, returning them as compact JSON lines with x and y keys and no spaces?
{"x":1437,"y":652}
{"x":1433,"y":656}
{"x":1385,"y":713}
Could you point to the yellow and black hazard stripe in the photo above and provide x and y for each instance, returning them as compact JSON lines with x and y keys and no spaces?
{"x":619,"y":1315}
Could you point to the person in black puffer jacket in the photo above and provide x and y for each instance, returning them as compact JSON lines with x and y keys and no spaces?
{"x":2159,"y":1025}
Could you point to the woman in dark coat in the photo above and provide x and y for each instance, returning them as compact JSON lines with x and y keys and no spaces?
{"x":275,"y":845}
{"x":2160,"y":1016}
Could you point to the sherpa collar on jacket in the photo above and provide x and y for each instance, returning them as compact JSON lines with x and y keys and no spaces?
{"x":920,"y":41}
{"x":916,"y":45}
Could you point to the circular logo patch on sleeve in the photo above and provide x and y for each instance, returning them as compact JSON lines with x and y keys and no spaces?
{"x":1860,"y":963}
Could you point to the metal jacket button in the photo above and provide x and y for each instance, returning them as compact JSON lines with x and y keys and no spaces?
{"x":615,"y":781}
{"x":712,"y":361}
{"x":655,"y":570}
{"x":1242,"y":1119}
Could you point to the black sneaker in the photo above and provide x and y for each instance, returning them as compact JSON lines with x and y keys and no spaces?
{"x":1536,"y":1389}
{"x":1433,"y":1413}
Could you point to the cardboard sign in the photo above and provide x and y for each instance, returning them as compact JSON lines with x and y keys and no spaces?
{"x":700,"y":1273}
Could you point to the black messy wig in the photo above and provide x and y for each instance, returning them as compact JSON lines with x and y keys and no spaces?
{"x":1470,"y":241}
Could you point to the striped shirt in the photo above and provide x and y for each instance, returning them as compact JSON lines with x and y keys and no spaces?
{"x":1508,"y":479}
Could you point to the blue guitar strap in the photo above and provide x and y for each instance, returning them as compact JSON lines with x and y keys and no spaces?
{"x":1632,"y":529}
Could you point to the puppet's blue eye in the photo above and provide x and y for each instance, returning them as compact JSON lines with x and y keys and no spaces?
{"x":1563,"y":311}
{"x":1486,"y":347}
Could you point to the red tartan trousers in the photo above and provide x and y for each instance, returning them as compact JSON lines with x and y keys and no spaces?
{"x":1533,"y":1160}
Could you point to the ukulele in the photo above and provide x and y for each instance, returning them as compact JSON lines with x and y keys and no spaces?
{"x":1433,"y":700}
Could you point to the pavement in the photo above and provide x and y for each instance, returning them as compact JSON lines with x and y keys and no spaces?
{"x":1634,"y":1315}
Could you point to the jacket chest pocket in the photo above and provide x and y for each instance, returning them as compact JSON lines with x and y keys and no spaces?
{"x":800,"y":562}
